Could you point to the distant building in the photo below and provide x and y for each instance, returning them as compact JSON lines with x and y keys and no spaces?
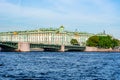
{"x":46,"y":36}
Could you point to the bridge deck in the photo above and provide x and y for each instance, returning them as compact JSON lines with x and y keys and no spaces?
{"x":45,"y":46}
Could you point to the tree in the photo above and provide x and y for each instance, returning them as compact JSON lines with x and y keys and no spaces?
{"x":115,"y":42}
{"x":105,"y":42}
{"x":102,"y":42}
{"x":74,"y":42}
{"x":93,"y":41}
{"x":118,"y":42}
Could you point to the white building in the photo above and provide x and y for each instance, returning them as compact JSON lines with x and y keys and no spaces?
{"x":45,"y":36}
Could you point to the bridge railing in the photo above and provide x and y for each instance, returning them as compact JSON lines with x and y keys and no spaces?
{"x":10,"y":44}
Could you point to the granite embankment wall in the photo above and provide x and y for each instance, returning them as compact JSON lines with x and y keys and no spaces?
{"x":95,"y":49}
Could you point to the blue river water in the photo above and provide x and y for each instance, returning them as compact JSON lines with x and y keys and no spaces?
{"x":59,"y":66}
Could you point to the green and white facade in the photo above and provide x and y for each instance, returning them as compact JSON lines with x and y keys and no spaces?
{"x":45,"y":36}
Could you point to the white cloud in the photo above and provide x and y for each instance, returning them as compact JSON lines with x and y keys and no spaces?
{"x":62,"y":11}
{"x":20,"y":11}
{"x":68,"y":12}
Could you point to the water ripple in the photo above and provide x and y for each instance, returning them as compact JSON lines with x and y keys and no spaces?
{"x":59,"y":66}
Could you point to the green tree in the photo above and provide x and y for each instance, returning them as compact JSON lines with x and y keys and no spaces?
{"x":74,"y":42}
{"x":115,"y":42}
{"x":103,"y":42}
{"x":93,"y":41}
{"x":118,"y":42}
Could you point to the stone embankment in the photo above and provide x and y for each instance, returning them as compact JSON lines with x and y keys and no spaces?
{"x":95,"y":49}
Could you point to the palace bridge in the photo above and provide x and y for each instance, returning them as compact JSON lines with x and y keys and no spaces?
{"x":14,"y":46}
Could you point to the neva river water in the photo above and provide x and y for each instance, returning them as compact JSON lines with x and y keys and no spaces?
{"x":59,"y":66}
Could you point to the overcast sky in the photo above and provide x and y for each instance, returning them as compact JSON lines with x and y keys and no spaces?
{"x":91,"y":16}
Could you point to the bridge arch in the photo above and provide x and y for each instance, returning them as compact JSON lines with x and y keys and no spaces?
{"x":6,"y":48}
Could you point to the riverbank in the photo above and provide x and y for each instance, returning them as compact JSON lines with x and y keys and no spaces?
{"x":95,"y":49}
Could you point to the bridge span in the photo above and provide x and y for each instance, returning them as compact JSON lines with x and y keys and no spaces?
{"x":26,"y":46}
